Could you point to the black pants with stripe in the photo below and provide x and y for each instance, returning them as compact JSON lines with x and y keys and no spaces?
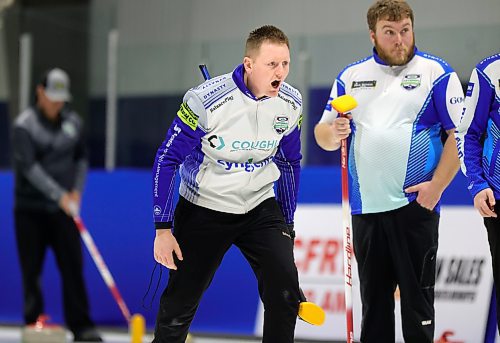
{"x":493,"y":228}
{"x":204,"y":236}
{"x":36,"y":231}
{"x":397,"y":248}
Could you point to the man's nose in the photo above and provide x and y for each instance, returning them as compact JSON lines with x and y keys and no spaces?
{"x":398,"y":38}
{"x":280,"y":71}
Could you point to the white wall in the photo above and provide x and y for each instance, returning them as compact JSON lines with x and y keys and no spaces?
{"x":163,"y":41}
{"x":4,"y":89}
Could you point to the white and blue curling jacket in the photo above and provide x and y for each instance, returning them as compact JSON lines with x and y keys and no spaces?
{"x":230,"y":148}
{"x":396,"y":127}
{"x":478,"y":135}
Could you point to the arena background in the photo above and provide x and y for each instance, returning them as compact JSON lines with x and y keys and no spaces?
{"x":158,"y":46}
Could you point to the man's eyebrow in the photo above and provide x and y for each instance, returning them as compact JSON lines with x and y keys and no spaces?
{"x":392,"y":27}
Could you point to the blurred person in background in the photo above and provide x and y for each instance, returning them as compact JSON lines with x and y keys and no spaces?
{"x":407,"y":100}
{"x":233,"y":138}
{"x":478,"y":141}
{"x":50,"y":165}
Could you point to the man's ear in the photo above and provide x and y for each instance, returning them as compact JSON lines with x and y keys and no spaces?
{"x":372,"y":37}
{"x":247,"y":64}
{"x":40,"y":91}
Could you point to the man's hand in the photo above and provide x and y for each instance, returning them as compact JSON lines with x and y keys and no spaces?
{"x":76,"y":197}
{"x":328,"y":136}
{"x":70,"y":203}
{"x":428,"y":194}
{"x":67,"y":205}
{"x":484,"y":202}
{"x":165,"y":243}
{"x":341,"y":128}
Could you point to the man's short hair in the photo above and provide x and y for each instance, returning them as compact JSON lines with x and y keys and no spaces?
{"x":392,"y":10}
{"x":262,"y":34}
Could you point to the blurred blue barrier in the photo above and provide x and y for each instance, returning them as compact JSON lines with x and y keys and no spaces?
{"x":117,"y":211}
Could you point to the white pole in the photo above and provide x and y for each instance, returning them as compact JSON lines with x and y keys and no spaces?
{"x":304,"y":72}
{"x":111,"y":101}
{"x":25,"y":59}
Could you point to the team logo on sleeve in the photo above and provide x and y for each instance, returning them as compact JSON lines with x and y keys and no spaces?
{"x":187,"y":116}
{"x":280,"y":123}
{"x":411,"y":81}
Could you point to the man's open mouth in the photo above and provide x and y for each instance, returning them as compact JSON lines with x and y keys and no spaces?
{"x":275,"y":84}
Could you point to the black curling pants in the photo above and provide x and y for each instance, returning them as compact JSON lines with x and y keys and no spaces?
{"x":204,"y":236}
{"x":36,"y":231}
{"x":493,"y":228}
{"x":394,"y":248}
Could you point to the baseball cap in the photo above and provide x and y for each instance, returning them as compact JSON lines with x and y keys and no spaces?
{"x":56,"y":85}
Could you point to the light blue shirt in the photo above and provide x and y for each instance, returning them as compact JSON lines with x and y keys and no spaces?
{"x":397,"y":125}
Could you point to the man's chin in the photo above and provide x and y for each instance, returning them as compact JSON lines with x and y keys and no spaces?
{"x":273,"y":93}
{"x":403,"y":59}
{"x":398,"y":60}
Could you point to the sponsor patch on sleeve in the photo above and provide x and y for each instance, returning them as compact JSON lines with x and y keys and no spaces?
{"x":187,"y":116}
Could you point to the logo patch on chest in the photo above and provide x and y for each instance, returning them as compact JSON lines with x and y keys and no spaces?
{"x":216,"y":142}
{"x":411,"y":81}
{"x":364,"y":84}
{"x":69,"y":129}
{"x":280,"y":123}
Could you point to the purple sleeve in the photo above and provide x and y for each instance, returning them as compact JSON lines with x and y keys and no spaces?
{"x":473,"y":128}
{"x":448,"y":96}
{"x":288,"y":159}
{"x":179,"y":142}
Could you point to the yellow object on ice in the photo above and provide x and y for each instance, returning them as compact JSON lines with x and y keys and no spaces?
{"x":137,"y":328}
{"x":311,"y":313}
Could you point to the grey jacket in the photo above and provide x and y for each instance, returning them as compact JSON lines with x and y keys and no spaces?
{"x":49,"y":158}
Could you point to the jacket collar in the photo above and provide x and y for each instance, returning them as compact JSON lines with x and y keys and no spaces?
{"x":239,"y":79}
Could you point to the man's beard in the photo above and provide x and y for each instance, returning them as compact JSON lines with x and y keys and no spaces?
{"x":395,"y":61}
